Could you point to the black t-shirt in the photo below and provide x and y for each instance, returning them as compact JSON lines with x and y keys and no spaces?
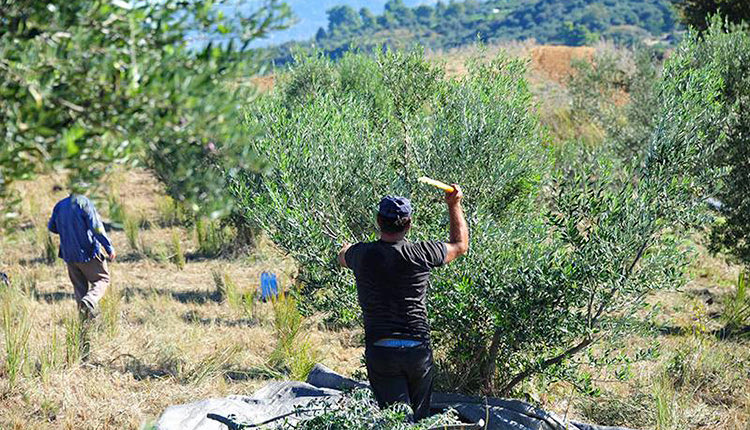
{"x":392,"y":281}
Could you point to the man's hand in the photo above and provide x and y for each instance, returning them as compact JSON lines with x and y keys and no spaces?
{"x":342,"y":253}
{"x":112,"y":255}
{"x":454,"y":197}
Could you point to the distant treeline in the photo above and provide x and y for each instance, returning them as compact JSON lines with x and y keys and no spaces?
{"x":449,"y":25}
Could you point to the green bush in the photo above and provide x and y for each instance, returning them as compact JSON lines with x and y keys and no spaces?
{"x":341,"y":135}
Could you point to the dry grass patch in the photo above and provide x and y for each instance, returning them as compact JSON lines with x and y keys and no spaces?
{"x":163,"y":337}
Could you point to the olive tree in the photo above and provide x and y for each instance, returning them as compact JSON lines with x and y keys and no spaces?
{"x":556,"y":261}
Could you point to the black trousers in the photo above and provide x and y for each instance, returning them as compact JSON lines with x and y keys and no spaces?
{"x":401,"y":375}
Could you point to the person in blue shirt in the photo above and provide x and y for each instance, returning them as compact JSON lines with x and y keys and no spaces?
{"x":84,"y":246}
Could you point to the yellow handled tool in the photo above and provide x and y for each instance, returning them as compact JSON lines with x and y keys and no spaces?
{"x":442,"y":185}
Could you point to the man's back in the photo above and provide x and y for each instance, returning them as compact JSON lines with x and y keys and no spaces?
{"x":81,"y":231}
{"x":392,"y":280}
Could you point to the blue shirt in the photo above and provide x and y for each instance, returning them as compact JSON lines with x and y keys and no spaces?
{"x":81,"y":231}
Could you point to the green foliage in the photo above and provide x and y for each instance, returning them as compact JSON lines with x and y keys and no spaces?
{"x":547,"y":275}
{"x":88,"y":83}
{"x":725,"y":49}
{"x":359,"y":411}
{"x":697,"y":13}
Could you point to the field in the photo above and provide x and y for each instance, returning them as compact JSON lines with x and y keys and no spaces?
{"x":164,"y":336}
{"x":171,"y":334}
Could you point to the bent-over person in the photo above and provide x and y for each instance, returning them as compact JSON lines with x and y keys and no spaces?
{"x":392,"y":277}
{"x":84,"y":246}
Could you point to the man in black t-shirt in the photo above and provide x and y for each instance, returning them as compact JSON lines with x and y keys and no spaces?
{"x":392,"y":277}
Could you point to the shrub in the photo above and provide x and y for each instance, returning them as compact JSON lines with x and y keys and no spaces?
{"x":617,"y":91}
{"x":726,"y":48}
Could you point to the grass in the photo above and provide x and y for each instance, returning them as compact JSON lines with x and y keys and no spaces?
{"x":178,"y":257}
{"x":737,"y":306}
{"x":132,"y":226}
{"x":77,"y":341}
{"x":145,"y":353}
{"x":294,"y":350}
{"x":16,"y":330}
{"x":49,"y":360}
{"x":109,"y":318}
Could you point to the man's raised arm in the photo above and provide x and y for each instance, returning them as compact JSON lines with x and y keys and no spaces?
{"x":459,"y":235}
{"x":342,"y":253}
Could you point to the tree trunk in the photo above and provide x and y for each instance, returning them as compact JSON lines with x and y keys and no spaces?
{"x":489,"y":366}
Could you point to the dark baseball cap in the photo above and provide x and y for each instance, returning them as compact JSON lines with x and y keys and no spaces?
{"x":394,"y":207}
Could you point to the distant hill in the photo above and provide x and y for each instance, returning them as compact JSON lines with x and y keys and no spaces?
{"x":441,"y":25}
{"x":311,"y":15}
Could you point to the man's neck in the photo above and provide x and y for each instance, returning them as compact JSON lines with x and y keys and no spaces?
{"x":392,"y":237}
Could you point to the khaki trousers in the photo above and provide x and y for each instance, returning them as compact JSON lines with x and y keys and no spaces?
{"x":93,"y":272}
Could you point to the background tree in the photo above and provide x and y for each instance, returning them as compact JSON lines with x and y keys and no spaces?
{"x":696,"y":13}
{"x":89,"y":83}
{"x":343,"y":20}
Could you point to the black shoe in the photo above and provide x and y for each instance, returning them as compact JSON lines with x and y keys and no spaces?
{"x":89,"y":309}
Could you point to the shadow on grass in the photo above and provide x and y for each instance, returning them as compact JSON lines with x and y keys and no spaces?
{"x":170,"y":368}
{"x":142,"y":371}
{"x":723,"y":333}
{"x":190,"y":296}
{"x":192,"y":317}
{"x":257,"y":373}
{"x":55,"y":297}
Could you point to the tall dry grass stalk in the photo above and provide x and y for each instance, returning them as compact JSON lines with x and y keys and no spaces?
{"x":77,"y":343}
{"x":132,"y":226}
{"x":45,"y":242}
{"x":293,"y":349}
{"x":16,"y":329}
{"x":49,"y":356}
{"x":737,"y":306}
{"x":109,"y":319}
{"x":212,"y":237}
{"x":665,"y":402}
{"x":178,"y":257}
